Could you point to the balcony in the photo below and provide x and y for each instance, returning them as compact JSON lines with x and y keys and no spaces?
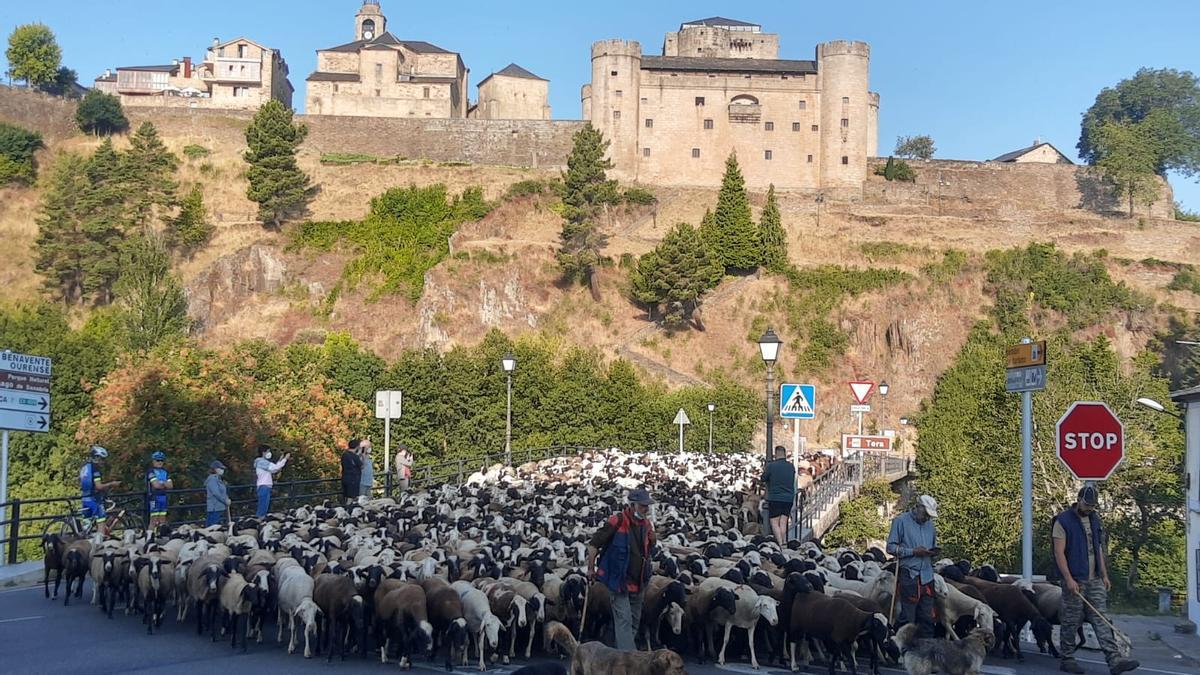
{"x":745,"y":113}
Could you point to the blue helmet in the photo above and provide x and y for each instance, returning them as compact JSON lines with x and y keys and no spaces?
{"x":159,"y":456}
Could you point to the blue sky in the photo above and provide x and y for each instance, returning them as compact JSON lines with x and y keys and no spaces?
{"x":982,"y":78}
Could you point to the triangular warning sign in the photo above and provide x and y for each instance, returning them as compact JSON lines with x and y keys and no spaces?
{"x":681,"y":418}
{"x":797,"y":404}
{"x":861,"y":390}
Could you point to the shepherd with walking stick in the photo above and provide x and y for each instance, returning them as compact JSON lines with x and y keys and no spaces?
{"x":1078,"y":539}
{"x":913,"y":541}
{"x":622,"y":545}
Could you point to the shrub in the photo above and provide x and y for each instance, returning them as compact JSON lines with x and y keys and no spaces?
{"x":884,"y":250}
{"x":897,"y":169}
{"x":953,"y":261}
{"x":1186,"y":215}
{"x":1185,"y":280}
{"x":194,"y":151}
{"x":640,"y":196}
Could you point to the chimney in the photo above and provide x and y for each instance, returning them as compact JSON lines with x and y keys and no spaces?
{"x":107,"y":73}
{"x":187,"y":67}
{"x":216,"y":43}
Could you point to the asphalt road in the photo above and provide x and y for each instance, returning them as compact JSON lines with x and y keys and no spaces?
{"x":42,"y":636}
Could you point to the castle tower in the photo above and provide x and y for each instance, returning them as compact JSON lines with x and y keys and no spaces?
{"x":613,"y":106}
{"x":846,"y":116}
{"x":370,"y":22}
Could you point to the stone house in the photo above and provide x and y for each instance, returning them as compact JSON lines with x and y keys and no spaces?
{"x":1040,"y":152}
{"x":238,"y":74}
{"x":720,"y":86}
{"x":379,"y":75}
{"x":512,"y":93}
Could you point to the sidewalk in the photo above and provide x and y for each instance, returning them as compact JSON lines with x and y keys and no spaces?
{"x":1156,"y":644}
{"x":21,"y":574}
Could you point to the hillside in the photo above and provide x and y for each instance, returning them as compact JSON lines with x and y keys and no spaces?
{"x":501,"y":271}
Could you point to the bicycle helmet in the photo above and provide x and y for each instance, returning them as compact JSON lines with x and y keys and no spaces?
{"x":99,"y":452}
{"x":159,"y":456}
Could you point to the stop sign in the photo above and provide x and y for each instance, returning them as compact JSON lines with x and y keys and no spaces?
{"x":1090,"y":440}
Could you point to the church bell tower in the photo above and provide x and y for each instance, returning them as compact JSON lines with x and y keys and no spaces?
{"x":370,"y":22}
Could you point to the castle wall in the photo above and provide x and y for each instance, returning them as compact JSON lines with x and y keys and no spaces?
{"x":716,"y":42}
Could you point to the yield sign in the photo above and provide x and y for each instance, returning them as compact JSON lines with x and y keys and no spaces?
{"x":861,"y":390}
{"x":681,"y":418}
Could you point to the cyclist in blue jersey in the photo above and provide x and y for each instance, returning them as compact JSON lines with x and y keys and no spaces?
{"x":157,"y":484}
{"x":93,"y":488}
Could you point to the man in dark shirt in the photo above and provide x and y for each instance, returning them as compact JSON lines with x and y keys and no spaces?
{"x":351,"y":471}
{"x":780,"y":481}
{"x":623,"y":544}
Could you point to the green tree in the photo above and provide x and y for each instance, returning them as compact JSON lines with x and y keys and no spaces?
{"x":61,"y":239}
{"x":860,"y":522}
{"x":33,"y":54}
{"x":100,"y":114}
{"x":915,"y":147}
{"x":737,"y":243}
{"x":105,"y":222}
{"x":152,"y":304}
{"x":586,"y":191}
{"x":1127,"y":154}
{"x":677,"y":273}
{"x":277,"y":184}
{"x":1174,"y":95}
{"x":148,"y":169}
{"x":17,"y":146}
{"x":772,"y":235}
{"x":189,"y":231}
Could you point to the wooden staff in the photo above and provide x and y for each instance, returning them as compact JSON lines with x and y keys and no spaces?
{"x":1100,"y":614}
{"x":587,"y":594}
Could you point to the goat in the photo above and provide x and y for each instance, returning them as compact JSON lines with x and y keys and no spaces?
{"x":54,"y":548}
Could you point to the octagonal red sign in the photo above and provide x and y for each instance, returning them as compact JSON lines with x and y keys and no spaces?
{"x":1090,"y":440}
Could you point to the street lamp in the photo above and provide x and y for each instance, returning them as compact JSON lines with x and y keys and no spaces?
{"x":711,"y":408}
{"x":509,"y":363}
{"x":904,"y":421}
{"x":883,"y":392}
{"x":1157,"y":407}
{"x":768,"y":346}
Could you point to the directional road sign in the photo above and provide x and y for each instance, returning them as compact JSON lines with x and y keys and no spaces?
{"x":388,"y":404}
{"x":1090,"y":440}
{"x":1025,"y":354}
{"x":860,"y":408}
{"x":852,"y":444}
{"x":798,"y":401}
{"x":1029,"y":378}
{"x":24,"y":392}
{"x":861,"y":390}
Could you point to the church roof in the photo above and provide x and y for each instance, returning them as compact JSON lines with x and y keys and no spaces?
{"x":703,"y":64}
{"x":719,"y":21}
{"x":1015,"y":154}
{"x":386,"y":39}
{"x":513,"y":70}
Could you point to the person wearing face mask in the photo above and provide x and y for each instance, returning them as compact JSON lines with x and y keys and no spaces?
{"x":913,"y":541}
{"x":1078,"y":539}
{"x":264,"y":472}
{"x":623,"y":545}
{"x":218,"y":494}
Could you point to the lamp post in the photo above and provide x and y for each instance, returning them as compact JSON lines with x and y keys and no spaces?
{"x":768,"y":347}
{"x":884,"y":387}
{"x":509,"y":363}
{"x":711,"y":408}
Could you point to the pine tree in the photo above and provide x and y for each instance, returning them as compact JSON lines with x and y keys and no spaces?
{"x":151,"y":300}
{"x":105,"y":222}
{"x":678,"y":273}
{"x":770,"y":232}
{"x":190,"y":230}
{"x":709,"y":234}
{"x":61,"y":240}
{"x":586,"y":190}
{"x":148,"y":171}
{"x":738,"y":246}
{"x":277,"y":184}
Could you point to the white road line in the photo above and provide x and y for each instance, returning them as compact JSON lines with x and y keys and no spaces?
{"x":21,"y":618}
{"x":1146,"y":669}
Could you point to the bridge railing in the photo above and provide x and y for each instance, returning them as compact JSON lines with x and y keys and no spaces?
{"x":842,"y":482}
{"x":26,"y":520}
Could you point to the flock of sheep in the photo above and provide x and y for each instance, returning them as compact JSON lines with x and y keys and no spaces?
{"x":480,"y":571}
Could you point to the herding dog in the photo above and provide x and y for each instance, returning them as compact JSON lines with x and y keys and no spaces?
{"x":593,"y":658}
{"x":922,"y":656}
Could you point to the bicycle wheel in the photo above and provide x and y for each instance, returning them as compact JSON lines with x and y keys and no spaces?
{"x":124,"y":521}
{"x":61,"y":526}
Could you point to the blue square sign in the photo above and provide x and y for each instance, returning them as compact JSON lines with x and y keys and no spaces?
{"x":798,"y":401}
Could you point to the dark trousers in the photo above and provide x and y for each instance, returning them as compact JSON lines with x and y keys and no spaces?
{"x":916,"y":604}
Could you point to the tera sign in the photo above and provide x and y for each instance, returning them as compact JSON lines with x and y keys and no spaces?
{"x":1090,"y":440}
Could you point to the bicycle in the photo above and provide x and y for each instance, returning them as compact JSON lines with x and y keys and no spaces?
{"x":78,"y":525}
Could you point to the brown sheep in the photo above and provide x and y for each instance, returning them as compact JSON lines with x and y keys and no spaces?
{"x":77,"y":562}
{"x":204,"y":578}
{"x":836,"y":623}
{"x":53,"y":550}
{"x":1014,"y":608}
{"x":445,"y":611}
{"x":343,"y":613}
{"x":403,"y":619}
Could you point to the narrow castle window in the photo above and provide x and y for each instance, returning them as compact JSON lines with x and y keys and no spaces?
{"x":613,"y":73}
{"x":699,"y":100}
{"x":378,"y":71}
{"x":695,"y":153}
{"x":795,"y":126}
{"x":616,"y":114}
{"x":708,"y":124}
{"x":810,"y":159}
{"x":803,"y":104}
{"x":816,"y":128}
{"x":649,"y":123}
{"x":426,"y":92}
{"x":845,"y":100}
{"x":619,"y":93}
{"x":335,"y":88}
{"x":770,"y":126}
{"x":845,"y":122}
{"x":845,"y":159}
{"x":645,"y":100}
{"x":645,"y":152}
{"x":767,"y":155}
{"x":377,"y":93}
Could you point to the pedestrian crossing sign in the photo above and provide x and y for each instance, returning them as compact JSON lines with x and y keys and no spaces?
{"x":798,"y":401}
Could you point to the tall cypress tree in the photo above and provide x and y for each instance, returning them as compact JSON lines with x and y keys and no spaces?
{"x":738,"y":245}
{"x":105,"y":222}
{"x":770,"y":232}
{"x":586,"y":189}
{"x":281,"y":189}
{"x":149,"y":170}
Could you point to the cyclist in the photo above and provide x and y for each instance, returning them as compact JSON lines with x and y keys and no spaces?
{"x":157,"y":484}
{"x":94,"y":489}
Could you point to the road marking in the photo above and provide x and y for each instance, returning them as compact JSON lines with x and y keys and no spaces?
{"x":18,"y":590}
{"x":21,"y":618}
{"x":1140,"y":668}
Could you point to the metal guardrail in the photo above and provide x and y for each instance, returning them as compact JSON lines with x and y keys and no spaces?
{"x":188,"y":505}
{"x":842,"y":483}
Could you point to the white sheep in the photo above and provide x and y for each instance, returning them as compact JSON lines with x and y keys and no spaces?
{"x":482,"y":625}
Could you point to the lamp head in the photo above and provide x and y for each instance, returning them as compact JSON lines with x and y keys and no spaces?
{"x":712,"y":407}
{"x":509,"y":362}
{"x":768,"y":346}
{"x":883,"y":388}
{"x":1151,"y":404}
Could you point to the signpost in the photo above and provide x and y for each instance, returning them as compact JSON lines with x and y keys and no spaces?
{"x":1090,"y":440}
{"x":24,"y":406}
{"x":388,"y":405}
{"x":862,"y":391}
{"x":857,"y":443}
{"x":682,"y":420}
{"x":1026,"y":373}
{"x":797,"y":402}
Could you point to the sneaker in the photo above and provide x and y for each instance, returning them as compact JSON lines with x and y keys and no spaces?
{"x":1122,"y":665}
{"x":1071,"y":666}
